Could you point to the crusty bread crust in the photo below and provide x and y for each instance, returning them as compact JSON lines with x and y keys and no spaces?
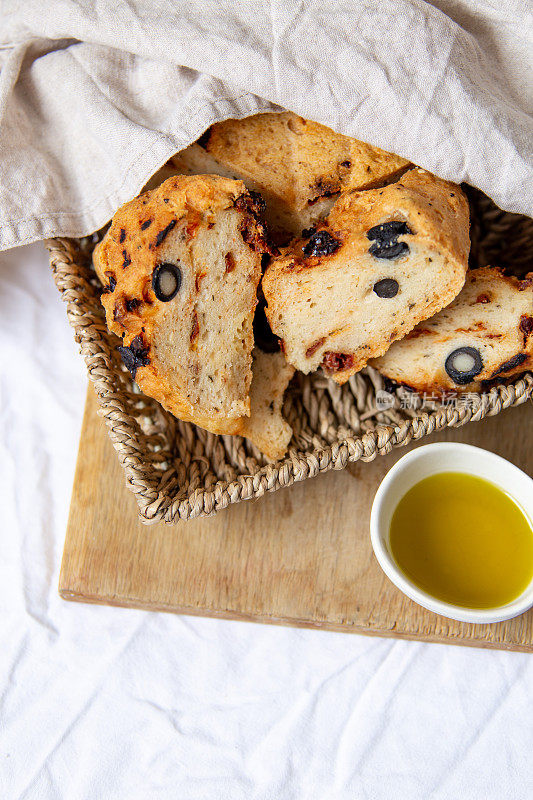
{"x":322,"y":292}
{"x":492,"y":316}
{"x":183,"y":216}
{"x":297,"y":165}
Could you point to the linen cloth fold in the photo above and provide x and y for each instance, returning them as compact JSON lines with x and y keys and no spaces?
{"x":94,"y":98}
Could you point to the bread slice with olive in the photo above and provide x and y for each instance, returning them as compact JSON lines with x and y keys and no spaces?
{"x":382,"y":261}
{"x":297,"y":165}
{"x":181,"y":265}
{"x":486,"y":334}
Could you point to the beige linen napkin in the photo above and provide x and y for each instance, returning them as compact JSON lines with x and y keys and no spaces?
{"x":95,"y":97}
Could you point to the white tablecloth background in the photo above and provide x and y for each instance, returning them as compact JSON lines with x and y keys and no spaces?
{"x":104,"y":704}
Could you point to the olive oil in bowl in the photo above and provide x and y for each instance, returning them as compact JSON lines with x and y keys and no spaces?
{"x":463,"y":540}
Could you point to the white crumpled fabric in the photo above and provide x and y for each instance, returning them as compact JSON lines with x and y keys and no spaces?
{"x":95,"y":97}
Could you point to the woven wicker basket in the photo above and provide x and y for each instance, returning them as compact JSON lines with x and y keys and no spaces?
{"x":178,"y":471}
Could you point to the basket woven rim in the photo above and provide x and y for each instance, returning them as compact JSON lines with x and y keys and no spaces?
{"x":155,"y":505}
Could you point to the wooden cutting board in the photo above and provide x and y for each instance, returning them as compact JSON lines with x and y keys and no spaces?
{"x":301,"y":556}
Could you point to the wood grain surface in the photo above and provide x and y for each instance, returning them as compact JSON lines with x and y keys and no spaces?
{"x":301,"y":556}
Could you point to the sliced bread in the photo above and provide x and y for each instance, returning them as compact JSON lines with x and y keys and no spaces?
{"x":265,"y":426}
{"x":382,"y":261}
{"x":298,"y":166}
{"x":486,"y":334}
{"x":181,"y":265}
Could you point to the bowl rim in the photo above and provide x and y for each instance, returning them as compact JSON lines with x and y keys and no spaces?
{"x":379,"y":538}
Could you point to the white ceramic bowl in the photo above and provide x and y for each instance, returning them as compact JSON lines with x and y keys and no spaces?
{"x":414,"y":467}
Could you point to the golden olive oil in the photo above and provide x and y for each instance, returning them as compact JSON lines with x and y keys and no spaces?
{"x":463,"y":540}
